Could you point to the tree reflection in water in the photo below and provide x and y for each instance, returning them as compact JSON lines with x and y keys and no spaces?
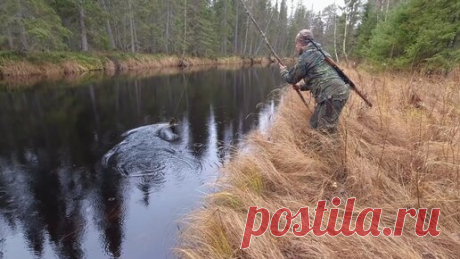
{"x":59,"y":200}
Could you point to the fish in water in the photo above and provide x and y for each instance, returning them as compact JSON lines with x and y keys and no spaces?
{"x":153,"y":151}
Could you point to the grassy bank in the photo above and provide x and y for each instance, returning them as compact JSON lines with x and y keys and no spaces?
{"x":403,"y":153}
{"x":55,"y":64}
{"x":15,"y":83}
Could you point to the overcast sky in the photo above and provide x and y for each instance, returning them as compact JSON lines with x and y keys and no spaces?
{"x":318,"y":5}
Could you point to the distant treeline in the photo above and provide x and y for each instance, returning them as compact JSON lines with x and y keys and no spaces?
{"x":401,"y":33}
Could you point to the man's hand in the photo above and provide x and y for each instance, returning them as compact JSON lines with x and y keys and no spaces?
{"x":300,"y":84}
{"x":282,"y":68}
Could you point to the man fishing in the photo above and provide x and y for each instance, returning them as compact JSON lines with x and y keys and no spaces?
{"x":328,"y":88}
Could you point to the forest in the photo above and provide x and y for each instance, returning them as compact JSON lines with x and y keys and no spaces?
{"x":396,"y":33}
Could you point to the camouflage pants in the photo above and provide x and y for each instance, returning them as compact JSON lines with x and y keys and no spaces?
{"x":325,"y":118}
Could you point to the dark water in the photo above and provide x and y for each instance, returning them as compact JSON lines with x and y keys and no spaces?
{"x":93,"y":171}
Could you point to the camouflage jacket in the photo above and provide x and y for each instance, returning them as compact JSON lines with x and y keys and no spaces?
{"x":320,"y":78}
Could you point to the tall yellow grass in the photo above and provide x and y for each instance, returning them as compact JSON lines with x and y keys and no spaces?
{"x":403,"y":153}
{"x":17,"y":69}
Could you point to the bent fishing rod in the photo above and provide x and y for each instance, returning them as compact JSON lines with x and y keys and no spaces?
{"x":272,"y":50}
{"x":328,"y":60}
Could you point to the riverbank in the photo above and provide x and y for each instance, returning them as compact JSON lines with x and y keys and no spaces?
{"x":15,"y":83}
{"x":58,"y":64}
{"x":403,"y":153}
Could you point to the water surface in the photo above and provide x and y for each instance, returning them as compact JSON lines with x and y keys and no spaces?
{"x":85,"y":171}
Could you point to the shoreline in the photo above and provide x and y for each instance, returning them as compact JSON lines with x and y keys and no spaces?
{"x":19,"y":66}
{"x":75,"y":79}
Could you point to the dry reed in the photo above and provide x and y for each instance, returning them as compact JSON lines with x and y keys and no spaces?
{"x":404,"y":153}
{"x":16,"y":69}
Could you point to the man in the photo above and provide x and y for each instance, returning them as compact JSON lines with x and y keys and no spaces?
{"x":329,"y":90}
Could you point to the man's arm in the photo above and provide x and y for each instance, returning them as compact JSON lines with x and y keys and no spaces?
{"x":297,"y":73}
{"x":303,"y":86}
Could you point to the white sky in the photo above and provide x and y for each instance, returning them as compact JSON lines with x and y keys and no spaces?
{"x":318,"y":5}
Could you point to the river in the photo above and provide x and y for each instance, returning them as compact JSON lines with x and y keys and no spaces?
{"x":85,"y":171}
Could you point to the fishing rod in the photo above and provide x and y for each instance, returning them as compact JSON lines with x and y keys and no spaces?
{"x":272,"y":50}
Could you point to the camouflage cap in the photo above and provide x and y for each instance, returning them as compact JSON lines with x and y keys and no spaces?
{"x":304,"y":36}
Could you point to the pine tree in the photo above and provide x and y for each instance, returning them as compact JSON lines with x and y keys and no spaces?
{"x":368,"y":24}
{"x":203,"y":36}
{"x":32,"y":25}
{"x":419,"y":32}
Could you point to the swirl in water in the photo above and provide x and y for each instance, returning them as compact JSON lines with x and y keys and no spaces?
{"x":150,"y":152}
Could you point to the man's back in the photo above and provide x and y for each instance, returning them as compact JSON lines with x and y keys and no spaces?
{"x":321,"y":78}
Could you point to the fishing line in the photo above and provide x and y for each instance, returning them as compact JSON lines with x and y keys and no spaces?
{"x":182,"y":94}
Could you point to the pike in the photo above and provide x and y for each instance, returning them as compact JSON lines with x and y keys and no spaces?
{"x":272,"y":50}
{"x":339,"y":71}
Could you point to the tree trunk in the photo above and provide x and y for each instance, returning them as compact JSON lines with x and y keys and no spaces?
{"x":10,"y":38}
{"x":24,"y":41}
{"x":246,"y":36}
{"x":278,"y":35}
{"x":184,"y":47}
{"x":335,"y":33}
{"x":386,"y":11}
{"x":344,"y":49}
{"x":84,"y":39}
{"x":251,"y":44}
{"x":153,"y":43}
{"x":120,"y":34}
{"x":131,"y":27}
{"x":110,"y":34}
{"x":136,"y":41}
{"x":22,"y":30}
{"x":251,"y":35}
{"x":235,"y":44}
{"x":167,"y":27}
{"x":109,"y":27}
{"x":125,"y":32}
{"x":225,"y":29}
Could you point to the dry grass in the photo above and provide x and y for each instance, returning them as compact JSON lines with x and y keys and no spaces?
{"x":77,"y":78}
{"x":55,"y":65}
{"x":22,"y":69}
{"x":147,"y":61}
{"x":403,"y":153}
